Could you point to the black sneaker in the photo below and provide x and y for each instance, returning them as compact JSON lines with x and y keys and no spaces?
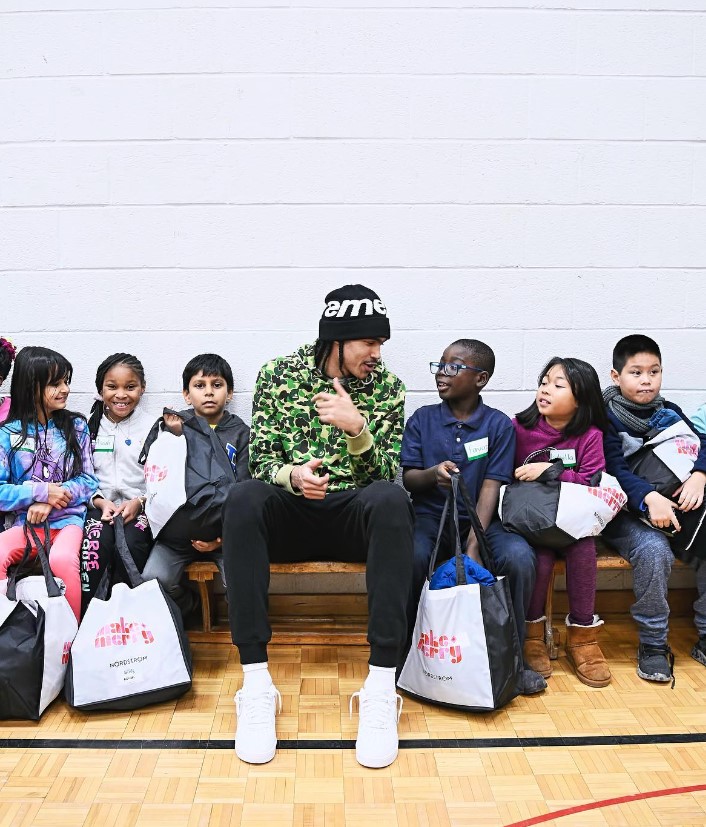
{"x":699,"y":651}
{"x":655,"y":663}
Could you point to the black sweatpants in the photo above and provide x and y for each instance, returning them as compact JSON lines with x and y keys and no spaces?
{"x":263,"y":523}
{"x":98,"y":552}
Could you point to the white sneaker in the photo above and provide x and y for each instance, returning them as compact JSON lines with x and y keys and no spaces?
{"x":255,"y":736}
{"x":377,"y":742}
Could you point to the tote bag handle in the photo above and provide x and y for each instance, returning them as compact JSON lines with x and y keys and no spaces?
{"x":450,"y":517}
{"x":42,"y":546}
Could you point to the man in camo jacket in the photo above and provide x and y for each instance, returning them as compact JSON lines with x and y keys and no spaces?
{"x":324,"y":451}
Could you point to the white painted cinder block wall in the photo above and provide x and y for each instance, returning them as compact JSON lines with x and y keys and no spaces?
{"x":180,"y":176}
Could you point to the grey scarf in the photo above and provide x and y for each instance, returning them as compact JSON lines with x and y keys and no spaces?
{"x":625,"y":410}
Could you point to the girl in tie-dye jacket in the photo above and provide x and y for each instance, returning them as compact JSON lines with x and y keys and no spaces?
{"x":46,"y":467}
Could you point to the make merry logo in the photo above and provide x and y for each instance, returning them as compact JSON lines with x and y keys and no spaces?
{"x":441,"y":647}
{"x":123,"y":633}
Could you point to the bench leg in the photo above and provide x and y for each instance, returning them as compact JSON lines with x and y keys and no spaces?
{"x":206,"y":616}
{"x":549,"y":638}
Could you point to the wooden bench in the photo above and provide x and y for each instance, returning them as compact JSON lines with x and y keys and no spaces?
{"x":303,"y":626}
{"x":309,"y":618}
{"x":606,"y":560}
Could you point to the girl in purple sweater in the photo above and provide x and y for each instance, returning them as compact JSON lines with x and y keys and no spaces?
{"x":566,"y":420}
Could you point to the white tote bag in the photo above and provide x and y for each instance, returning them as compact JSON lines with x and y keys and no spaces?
{"x":465,"y":651}
{"x":554,"y":514}
{"x":131,"y":649}
{"x":165,"y":479}
{"x":667,"y":459}
{"x":37,"y":628}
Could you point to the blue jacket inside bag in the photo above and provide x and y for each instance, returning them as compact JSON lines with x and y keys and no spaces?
{"x":445,"y":576}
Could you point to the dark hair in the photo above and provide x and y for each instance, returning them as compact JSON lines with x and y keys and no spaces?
{"x":482,"y":354}
{"x":35,"y":368}
{"x":630,"y":346}
{"x":586,"y":388}
{"x":7,"y":356}
{"x":323,"y":349}
{"x":210,"y":364}
{"x":127,"y":359}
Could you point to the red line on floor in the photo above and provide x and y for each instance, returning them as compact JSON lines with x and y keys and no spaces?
{"x":608,"y":802}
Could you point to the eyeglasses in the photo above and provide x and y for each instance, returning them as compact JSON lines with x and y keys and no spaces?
{"x":451,"y":368}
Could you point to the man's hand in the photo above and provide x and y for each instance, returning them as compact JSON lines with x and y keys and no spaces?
{"x":305,"y":479}
{"x":691,"y":492}
{"x":58,"y":496}
{"x":38,"y":513}
{"x":661,"y":511}
{"x":338,"y":409}
{"x":530,"y":472}
{"x":206,"y":546}
{"x":130,"y":510}
{"x":443,"y":472}
{"x":173,"y":424}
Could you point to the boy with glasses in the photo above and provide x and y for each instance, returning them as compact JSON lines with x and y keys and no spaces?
{"x":463,"y":434}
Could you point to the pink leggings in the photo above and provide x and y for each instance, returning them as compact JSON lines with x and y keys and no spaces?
{"x":64,"y":557}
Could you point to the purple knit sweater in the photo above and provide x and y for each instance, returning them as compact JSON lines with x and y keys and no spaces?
{"x":588,"y":449}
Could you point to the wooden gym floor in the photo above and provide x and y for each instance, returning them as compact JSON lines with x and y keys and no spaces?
{"x":630,"y":754}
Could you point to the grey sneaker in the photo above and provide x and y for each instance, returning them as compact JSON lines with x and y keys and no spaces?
{"x":530,"y":682}
{"x":655,"y":663}
{"x":699,"y":651}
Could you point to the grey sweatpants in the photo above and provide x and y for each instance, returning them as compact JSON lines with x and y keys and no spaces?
{"x":167,"y":565}
{"x":650,"y":555}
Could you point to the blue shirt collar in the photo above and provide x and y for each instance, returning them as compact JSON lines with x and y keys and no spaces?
{"x":473,"y":421}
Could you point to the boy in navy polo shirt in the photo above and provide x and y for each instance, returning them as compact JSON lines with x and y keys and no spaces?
{"x":463,"y":434}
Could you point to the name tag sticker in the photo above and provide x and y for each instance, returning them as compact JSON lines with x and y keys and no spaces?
{"x":105,"y":444}
{"x":568,"y":456}
{"x":17,"y":442}
{"x":477,"y":448}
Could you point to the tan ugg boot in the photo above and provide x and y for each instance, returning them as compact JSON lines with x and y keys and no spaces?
{"x":585,"y":654}
{"x":535,"y":652}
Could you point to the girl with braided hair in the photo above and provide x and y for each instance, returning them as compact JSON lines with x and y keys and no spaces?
{"x":118,"y":428}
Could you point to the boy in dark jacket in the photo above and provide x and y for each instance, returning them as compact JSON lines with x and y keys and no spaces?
{"x":636,"y":411}
{"x":207,"y":387}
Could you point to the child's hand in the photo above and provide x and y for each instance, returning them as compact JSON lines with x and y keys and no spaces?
{"x":58,"y":496}
{"x":130,"y":510}
{"x":661,"y":511}
{"x":691,"y":493}
{"x":108,"y":510}
{"x":173,"y":424}
{"x":205,"y":546}
{"x":38,"y":512}
{"x":531,"y":471}
{"x":443,"y":472}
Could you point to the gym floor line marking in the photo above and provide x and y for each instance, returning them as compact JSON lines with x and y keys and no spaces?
{"x":341,"y":744}
{"x":607,"y":802}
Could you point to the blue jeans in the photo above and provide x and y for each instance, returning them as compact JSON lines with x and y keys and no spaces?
{"x":513,"y":557}
{"x":650,"y":555}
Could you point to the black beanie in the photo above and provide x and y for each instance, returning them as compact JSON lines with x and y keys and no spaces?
{"x":353,"y":312}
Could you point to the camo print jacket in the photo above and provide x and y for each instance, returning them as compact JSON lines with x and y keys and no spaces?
{"x":286,"y":430}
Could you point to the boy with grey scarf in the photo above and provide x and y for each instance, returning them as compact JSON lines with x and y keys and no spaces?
{"x":636,"y":409}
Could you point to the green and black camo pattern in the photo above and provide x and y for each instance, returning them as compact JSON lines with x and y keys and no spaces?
{"x":286,"y":429}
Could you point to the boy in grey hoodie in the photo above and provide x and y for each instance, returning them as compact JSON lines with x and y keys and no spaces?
{"x":191,"y":533}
